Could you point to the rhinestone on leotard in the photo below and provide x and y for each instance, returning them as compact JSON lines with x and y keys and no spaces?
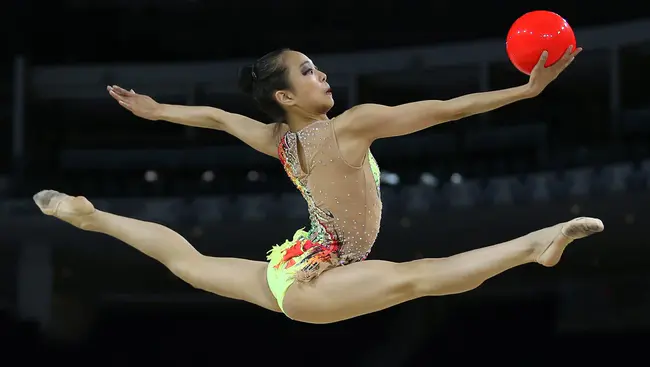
{"x":345,"y":210}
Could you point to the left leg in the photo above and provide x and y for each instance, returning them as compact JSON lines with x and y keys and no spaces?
{"x":228,"y":277}
{"x":370,"y":286}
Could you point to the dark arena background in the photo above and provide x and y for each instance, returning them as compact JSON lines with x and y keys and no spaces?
{"x":582,"y":148}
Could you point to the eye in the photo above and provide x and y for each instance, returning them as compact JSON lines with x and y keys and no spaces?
{"x":308,"y":71}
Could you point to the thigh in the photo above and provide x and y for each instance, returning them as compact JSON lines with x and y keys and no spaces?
{"x":349,"y":291}
{"x":229,"y":277}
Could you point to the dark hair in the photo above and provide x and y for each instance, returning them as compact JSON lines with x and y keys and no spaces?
{"x":262,"y":79}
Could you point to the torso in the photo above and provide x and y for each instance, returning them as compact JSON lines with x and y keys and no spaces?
{"x":344,"y":201}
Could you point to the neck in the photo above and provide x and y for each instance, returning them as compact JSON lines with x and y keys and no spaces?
{"x":298,"y":122}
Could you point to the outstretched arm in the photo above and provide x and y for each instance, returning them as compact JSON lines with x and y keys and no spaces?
{"x":377,"y":121}
{"x":259,"y":136}
{"x":373,"y":121}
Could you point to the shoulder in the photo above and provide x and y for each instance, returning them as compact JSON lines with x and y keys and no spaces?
{"x":365,"y":110}
{"x":358,"y":119}
{"x":278,"y":131}
{"x":354,"y":131}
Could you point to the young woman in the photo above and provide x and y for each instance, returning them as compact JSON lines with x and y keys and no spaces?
{"x":319,"y":276}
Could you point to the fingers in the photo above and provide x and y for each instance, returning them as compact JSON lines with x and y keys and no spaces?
{"x":121,"y":98}
{"x":576,"y":52}
{"x":568,"y":57}
{"x":573,"y":55}
{"x":117,"y":96}
{"x":125,"y":105}
{"x":541,"y":62}
{"x":114,"y":95}
{"x":570,"y":54}
{"x":120,"y":91}
{"x":568,"y":63}
{"x":565,"y":60}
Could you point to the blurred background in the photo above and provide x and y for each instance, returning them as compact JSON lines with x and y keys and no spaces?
{"x":582,"y":148}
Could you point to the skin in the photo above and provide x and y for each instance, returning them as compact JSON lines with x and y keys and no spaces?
{"x":344,"y":292}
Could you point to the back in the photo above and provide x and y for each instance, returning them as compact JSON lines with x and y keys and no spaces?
{"x":343,"y":200}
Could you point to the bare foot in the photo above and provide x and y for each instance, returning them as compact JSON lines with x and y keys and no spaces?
{"x":71,"y":209}
{"x":556,"y":239}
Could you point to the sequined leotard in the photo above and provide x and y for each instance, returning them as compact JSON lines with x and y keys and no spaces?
{"x":343,"y":201}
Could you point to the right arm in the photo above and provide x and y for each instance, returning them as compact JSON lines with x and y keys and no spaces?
{"x":259,"y":136}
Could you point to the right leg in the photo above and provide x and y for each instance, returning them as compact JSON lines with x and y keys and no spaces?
{"x":369,"y":286}
{"x":228,"y":277}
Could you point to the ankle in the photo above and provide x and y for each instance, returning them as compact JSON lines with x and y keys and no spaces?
{"x":536,"y":243}
{"x":531,"y":250}
{"x":540,"y":240}
{"x":91,"y":222}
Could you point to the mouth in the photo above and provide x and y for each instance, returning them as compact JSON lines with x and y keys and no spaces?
{"x":328,"y":91}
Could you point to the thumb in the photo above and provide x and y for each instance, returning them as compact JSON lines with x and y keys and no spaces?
{"x":543,"y":58}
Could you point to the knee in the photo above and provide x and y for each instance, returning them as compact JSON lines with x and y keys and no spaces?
{"x":433,"y":277}
{"x":187,"y":270}
{"x":408,"y":282}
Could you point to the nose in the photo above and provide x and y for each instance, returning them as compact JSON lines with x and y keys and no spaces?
{"x":323,"y":77}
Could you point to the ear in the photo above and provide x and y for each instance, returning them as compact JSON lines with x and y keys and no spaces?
{"x":285,"y":97}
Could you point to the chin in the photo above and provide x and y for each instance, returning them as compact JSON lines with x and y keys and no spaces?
{"x":329,"y":104}
{"x":321,"y":106}
{"x":326,"y":109}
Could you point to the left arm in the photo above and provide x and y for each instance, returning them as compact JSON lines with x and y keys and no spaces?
{"x":374,"y":121}
{"x":370,"y":122}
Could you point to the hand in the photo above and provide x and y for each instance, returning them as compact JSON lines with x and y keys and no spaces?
{"x":542,"y":76}
{"x":141,"y":105}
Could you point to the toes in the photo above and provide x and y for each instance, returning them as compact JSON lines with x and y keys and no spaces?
{"x":43,"y":198}
{"x":593,"y":225}
{"x":582,"y":227}
{"x":46,"y":199}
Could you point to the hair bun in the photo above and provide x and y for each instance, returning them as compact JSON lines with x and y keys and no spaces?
{"x":246,"y":79}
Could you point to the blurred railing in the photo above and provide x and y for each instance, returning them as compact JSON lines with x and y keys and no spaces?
{"x":77,"y":82}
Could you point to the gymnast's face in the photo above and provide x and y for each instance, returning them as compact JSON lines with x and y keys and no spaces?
{"x":309,"y":91}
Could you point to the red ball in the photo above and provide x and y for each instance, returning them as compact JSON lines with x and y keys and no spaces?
{"x":535,"y":32}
